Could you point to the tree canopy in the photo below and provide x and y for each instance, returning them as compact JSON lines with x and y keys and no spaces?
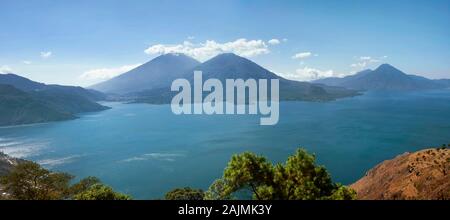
{"x":100,"y":192}
{"x":30,"y":181}
{"x":186,"y":193}
{"x":298,"y":179}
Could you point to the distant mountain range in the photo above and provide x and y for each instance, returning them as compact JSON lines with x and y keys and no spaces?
{"x":385,"y":77}
{"x":23,"y":101}
{"x":151,"y":82}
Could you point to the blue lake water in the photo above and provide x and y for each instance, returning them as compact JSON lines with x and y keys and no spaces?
{"x":145,"y":150}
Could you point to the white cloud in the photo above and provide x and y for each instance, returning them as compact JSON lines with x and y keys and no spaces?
{"x":46,"y":55}
{"x":5,"y":69}
{"x":107,"y":73}
{"x":369,"y":59}
{"x":302,"y":55}
{"x":26,"y":62}
{"x":285,"y":39}
{"x":359,"y":65}
{"x":274,"y":41}
{"x":308,"y":74}
{"x":364,"y":61}
{"x":210,"y":48}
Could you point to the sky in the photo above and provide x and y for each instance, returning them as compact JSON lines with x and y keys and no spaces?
{"x":85,"y":42}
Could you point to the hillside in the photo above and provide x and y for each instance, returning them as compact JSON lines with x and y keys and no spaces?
{"x":7,"y":163}
{"x":23,"y":101}
{"x":419,"y":175}
{"x":74,"y":100}
{"x":18,"y":107}
{"x":385,"y":77}
{"x":444,"y":82}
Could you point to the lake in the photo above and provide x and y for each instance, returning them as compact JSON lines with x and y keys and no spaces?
{"x":145,"y":150}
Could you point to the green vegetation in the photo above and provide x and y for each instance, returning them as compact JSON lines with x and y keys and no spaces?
{"x":298,"y":179}
{"x":100,"y":192}
{"x":29,"y":181}
{"x":185,"y":194}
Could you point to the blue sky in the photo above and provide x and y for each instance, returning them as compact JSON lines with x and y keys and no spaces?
{"x":84,"y":42}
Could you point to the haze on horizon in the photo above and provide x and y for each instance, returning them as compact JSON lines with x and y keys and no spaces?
{"x":85,"y":42}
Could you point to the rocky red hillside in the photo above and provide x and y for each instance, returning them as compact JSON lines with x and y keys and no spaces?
{"x":419,"y":175}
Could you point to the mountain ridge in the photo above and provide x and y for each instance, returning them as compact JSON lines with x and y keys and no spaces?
{"x":153,"y":74}
{"x":385,"y":77}
{"x":23,"y":101}
{"x":231,"y":66}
